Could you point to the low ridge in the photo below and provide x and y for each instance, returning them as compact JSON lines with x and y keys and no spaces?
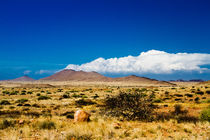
{"x":23,"y":78}
{"x":72,"y":75}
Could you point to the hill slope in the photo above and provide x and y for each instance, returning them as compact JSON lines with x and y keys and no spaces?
{"x":23,"y":78}
{"x":71,"y":75}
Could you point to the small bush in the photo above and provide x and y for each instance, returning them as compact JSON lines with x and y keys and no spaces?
{"x":158,"y":101}
{"x":189,"y":95}
{"x":197,"y":99}
{"x":135,"y":106}
{"x":21,"y":101}
{"x":69,"y":115}
{"x":178,"y":110}
{"x":66,"y":95}
{"x":76,"y":95}
{"x":29,"y":92}
{"x":205,"y":115}
{"x":38,"y":94}
{"x":14,"y":93}
{"x":5,"y":92}
{"x":178,"y":95}
{"x":43,"y":98}
{"x":200,"y":92}
{"x":4,"y":102}
{"x":84,"y":102}
{"x":208,"y":91}
{"x":47,"y":125}
{"x":5,"y":124}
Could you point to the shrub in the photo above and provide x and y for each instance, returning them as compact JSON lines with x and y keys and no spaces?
{"x":43,"y":98}
{"x":178,"y":110}
{"x":208,"y":91}
{"x":84,"y":102}
{"x":178,"y":95}
{"x":158,"y":101}
{"x":69,"y":114}
{"x":76,"y":95}
{"x":66,"y":95}
{"x":59,"y":90}
{"x":5,"y":124}
{"x":189,"y":95}
{"x":197,"y":99}
{"x":29,"y":92}
{"x":14,"y":92}
{"x":95,"y":96}
{"x":5,"y":92}
{"x":38,"y":94}
{"x":47,"y":125}
{"x":200,"y":92}
{"x":4,"y":102}
{"x":21,"y":101}
{"x":205,"y":115}
{"x":129,"y":106}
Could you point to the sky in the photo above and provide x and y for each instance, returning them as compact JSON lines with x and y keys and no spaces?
{"x":41,"y":37}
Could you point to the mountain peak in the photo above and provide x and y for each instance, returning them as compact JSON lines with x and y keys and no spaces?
{"x":24,"y":78}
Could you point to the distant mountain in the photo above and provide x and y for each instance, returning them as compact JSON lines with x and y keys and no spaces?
{"x":23,"y":78}
{"x":72,"y":75}
{"x":192,"y":80}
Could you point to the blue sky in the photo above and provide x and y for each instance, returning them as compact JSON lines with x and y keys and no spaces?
{"x":48,"y":35}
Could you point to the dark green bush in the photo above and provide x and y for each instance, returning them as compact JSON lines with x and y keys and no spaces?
{"x":208,"y":91}
{"x":14,"y":93}
{"x":76,"y":95}
{"x":95,"y":96}
{"x":21,"y":101}
{"x":84,"y":102}
{"x":158,"y":101}
{"x":4,"y":102}
{"x":200,"y":92}
{"x":43,"y":98}
{"x":189,"y":95}
{"x":135,"y":106}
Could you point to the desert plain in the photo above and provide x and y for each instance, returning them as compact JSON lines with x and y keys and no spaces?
{"x":44,"y":110}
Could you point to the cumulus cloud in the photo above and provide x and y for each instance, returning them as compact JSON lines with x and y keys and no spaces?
{"x":26,"y":72}
{"x":40,"y":72}
{"x":152,"y":61}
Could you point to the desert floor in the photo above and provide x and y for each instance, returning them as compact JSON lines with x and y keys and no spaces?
{"x":45,"y":111}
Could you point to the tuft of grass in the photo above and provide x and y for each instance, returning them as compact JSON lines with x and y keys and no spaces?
{"x":46,"y":125}
{"x":205,"y":115}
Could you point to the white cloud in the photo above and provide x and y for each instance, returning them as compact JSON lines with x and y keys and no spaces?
{"x":45,"y":72}
{"x":26,"y":72}
{"x":153,"y":61}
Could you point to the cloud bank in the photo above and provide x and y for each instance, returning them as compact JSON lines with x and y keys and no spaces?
{"x":152,"y":61}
